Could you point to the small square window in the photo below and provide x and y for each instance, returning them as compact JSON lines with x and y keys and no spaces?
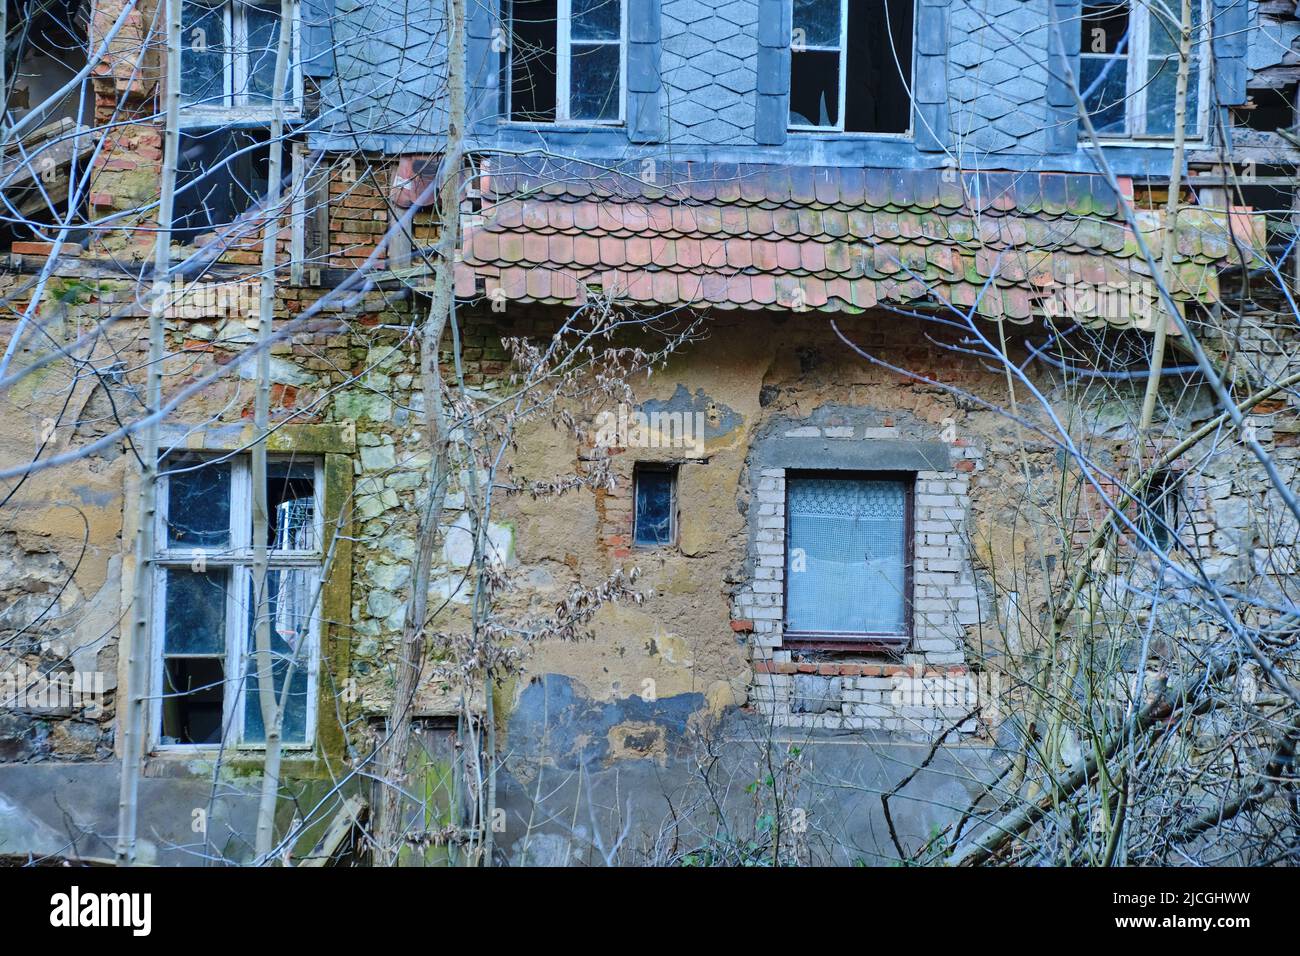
{"x":654,"y":520}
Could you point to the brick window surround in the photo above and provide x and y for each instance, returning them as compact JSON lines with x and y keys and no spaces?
{"x":944,"y":598}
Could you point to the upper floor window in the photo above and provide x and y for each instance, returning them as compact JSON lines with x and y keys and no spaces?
{"x":566,"y":61}
{"x":1128,"y":68}
{"x":851,"y":65}
{"x":848,"y":550}
{"x":228,"y":52}
{"x":205,"y":608}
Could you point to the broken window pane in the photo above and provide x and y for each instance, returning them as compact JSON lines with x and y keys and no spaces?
{"x":532,"y":66}
{"x":1161,"y":511}
{"x":596,"y":20}
{"x":869,"y":56}
{"x":816,"y":23}
{"x":203,"y":54}
{"x":195,"y":611}
{"x":846,"y":556}
{"x":291,"y":599}
{"x":1165,"y":29}
{"x":814,"y":88}
{"x":221,"y":174}
{"x":198,"y":506}
{"x":653,"y":506}
{"x":193,"y":700}
{"x":594,"y":82}
{"x":291,"y":505}
{"x":878,"y":97}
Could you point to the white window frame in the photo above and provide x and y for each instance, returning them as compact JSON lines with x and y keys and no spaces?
{"x":238,"y":558}
{"x":1138,"y":56}
{"x":842,"y":50}
{"x":563,"y":69}
{"x":235,"y":71}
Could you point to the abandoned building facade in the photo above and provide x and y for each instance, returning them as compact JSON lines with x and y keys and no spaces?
{"x":837,"y":510}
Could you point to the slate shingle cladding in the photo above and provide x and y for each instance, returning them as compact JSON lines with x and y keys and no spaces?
{"x":724,"y":66}
{"x":827,"y":238}
{"x":710,"y":58}
{"x":997,"y":76}
{"x":388,"y":86}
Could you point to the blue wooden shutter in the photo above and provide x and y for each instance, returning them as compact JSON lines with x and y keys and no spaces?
{"x":317,"y":39}
{"x":1062,"y":63}
{"x":772,"y":107}
{"x":644,"y":84}
{"x":930,"y":97}
{"x":1229,"y":32}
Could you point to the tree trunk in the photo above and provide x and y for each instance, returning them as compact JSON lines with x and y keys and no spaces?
{"x":272,"y":710}
{"x":138,"y":651}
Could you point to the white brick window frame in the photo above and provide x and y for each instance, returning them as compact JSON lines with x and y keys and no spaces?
{"x":943,"y":602}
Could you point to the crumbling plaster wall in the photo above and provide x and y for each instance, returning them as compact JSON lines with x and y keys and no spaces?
{"x":764,"y":375}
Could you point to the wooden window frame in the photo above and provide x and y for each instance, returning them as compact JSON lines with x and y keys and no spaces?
{"x":842,"y":49}
{"x":1137,"y":57}
{"x":564,"y":44}
{"x":235,"y":71}
{"x":868,"y":642}
{"x":673,"y":471}
{"x":238,"y":557}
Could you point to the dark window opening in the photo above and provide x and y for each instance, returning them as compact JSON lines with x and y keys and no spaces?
{"x":194,"y":649}
{"x":1273,"y":110}
{"x":1161,"y":510}
{"x":194,"y":701}
{"x":43,"y":170}
{"x":848,"y":568}
{"x":654,"y":519}
{"x":46,"y":49}
{"x":815,"y":88}
{"x":221,"y":175}
{"x":853,"y":59}
{"x":531,"y":65}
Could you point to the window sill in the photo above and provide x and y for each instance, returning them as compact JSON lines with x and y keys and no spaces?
{"x":179,"y":761}
{"x":1144,"y":142}
{"x":228,"y":116}
{"x":229,"y":752}
{"x":567,"y":126}
{"x":848,"y":137}
{"x":886,"y":645}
